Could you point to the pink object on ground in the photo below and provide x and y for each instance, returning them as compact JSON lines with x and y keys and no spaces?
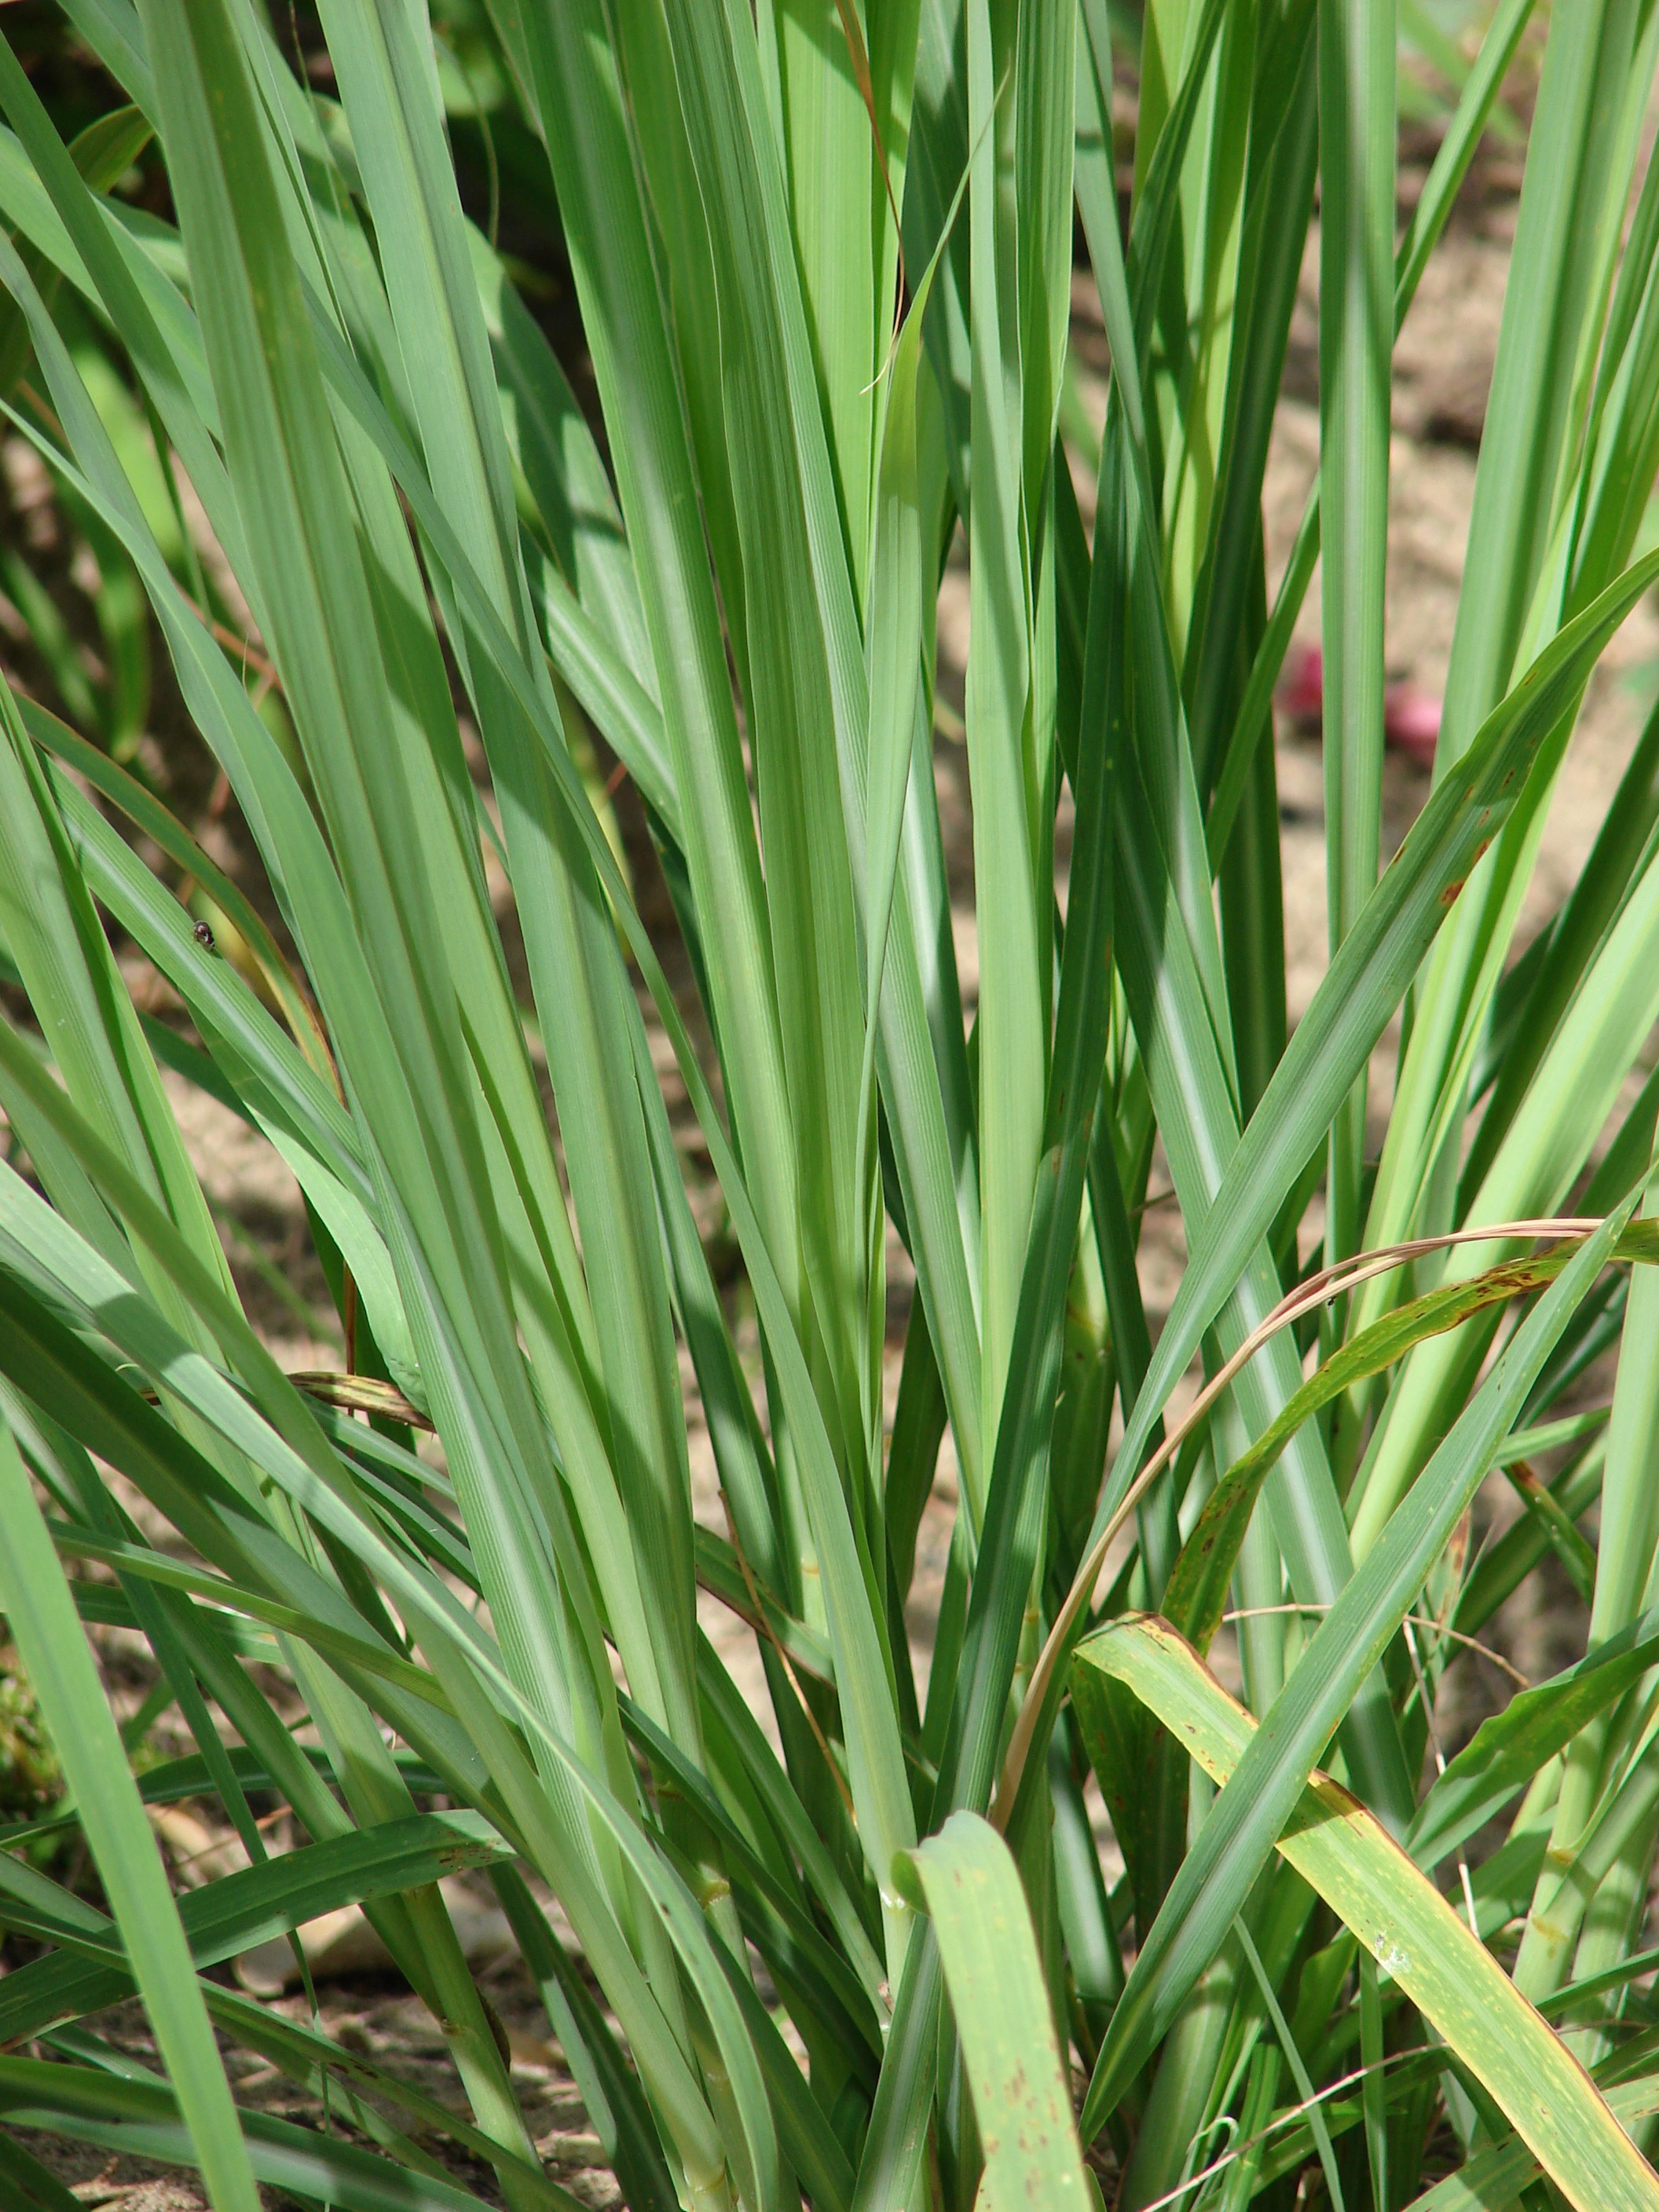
{"x":1301,"y":692}
{"x":1410,"y":720}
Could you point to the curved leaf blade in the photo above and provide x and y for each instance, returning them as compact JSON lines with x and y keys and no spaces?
{"x":1416,"y":1937}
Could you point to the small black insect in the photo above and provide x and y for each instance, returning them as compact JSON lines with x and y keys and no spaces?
{"x":204,"y":935}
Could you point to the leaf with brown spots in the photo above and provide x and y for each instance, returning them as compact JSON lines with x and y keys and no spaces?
{"x":966,"y":1878}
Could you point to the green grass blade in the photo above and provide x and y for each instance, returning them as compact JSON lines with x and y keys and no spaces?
{"x":430,"y":541}
{"x":549,"y":440}
{"x":611,"y":2089}
{"x":1200,"y":336}
{"x":935,"y":1151}
{"x":1568,"y":160}
{"x":937,"y":161}
{"x":144,"y":308}
{"x":820,"y":1868}
{"x":1097,"y":204}
{"x":1545,"y":1150}
{"x":52,"y":931}
{"x":303,"y":874}
{"x":1294,"y":2060}
{"x":1412,"y":1931}
{"x":1502,"y":2170}
{"x":1011,"y":894}
{"x":37,"y":2189}
{"x":147,"y":813}
{"x":895,"y":625}
{"x":809,"y":2146}
{"x":849,"y":1619}
{"x":1355,"y":338}
{"x":1619,"y":854}
{"x":1010,"y":1553}
{"x":1451,"y":166}
{"x":1159,"y":180}
{"x":253,"y":1907}
{"x":309,"y":2059}
{"x":1269,"y":269}
{"x":49,"y":1634}
{"x":838,"y":211}
{"x":281,"y":440}
{"x":1237,"y":1837}
{"x":983,"y":1925}
{"x":1198,"y":1122}
{"x":790,"y":1938}
{"x":1552,"y":317}
{"x":1509,"y":1748}
{"x":605,"y":686}
{"x":1626,"y":1540}
{"x":1197,"y":1593}
{"x":796,"y":716}
{"x":890,"y":2171}
{"x":261,"y":1067}
{"x":138,"y":2114}
{"x":579,"y":987}
{"x":446,"y":1629}
{"x":1364,"y":985}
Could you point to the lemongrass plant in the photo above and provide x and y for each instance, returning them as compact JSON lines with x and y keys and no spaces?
{"x":823,"y":259}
